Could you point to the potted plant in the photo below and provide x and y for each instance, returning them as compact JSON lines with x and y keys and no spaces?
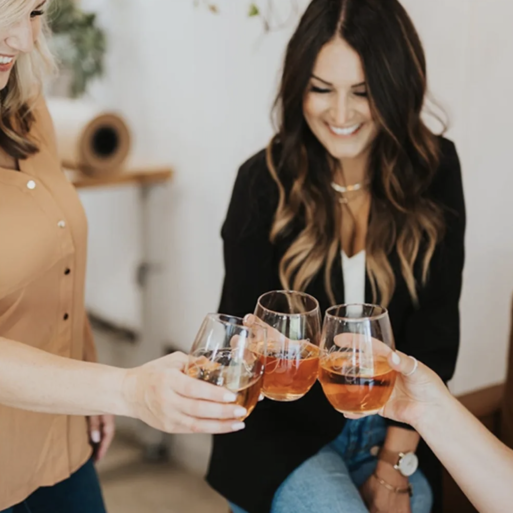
{"x":79,"y":45}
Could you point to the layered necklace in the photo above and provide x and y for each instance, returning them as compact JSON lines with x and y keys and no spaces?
{"x":346,"y":191}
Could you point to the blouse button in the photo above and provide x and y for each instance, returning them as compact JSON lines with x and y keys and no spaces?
{"x":61,"y":224}
{"x":31,"y":184}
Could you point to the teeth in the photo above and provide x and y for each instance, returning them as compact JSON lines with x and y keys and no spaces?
{"x":345,"y":131}
{"x":6,"y":60}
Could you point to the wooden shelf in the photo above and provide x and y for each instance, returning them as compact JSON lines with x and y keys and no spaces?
{"x":136,"y":176}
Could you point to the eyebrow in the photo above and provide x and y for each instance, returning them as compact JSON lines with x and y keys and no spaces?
{"x":40,"y":5}
{"x":330,"y":84}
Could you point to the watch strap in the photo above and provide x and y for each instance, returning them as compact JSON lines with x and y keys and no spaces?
{"x":390,"y":457}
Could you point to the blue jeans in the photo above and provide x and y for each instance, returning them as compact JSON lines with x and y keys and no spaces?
{"x":329,"y":481}
{"x":80,"y":493}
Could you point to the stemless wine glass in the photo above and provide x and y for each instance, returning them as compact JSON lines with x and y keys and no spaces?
{"x":354,"y":371}
{"x":292,"y":361}
{"x":224,"y":353}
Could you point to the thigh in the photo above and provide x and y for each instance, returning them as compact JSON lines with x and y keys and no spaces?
{"x":80,"y":493}
{"x":321,"y":484}
{"x":422,"y":500}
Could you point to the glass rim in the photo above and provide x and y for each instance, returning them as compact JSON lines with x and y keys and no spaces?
{"x":376,"y":317}
{"x":289,"y":292}
{"x":238,"y":322}
{"x":223,"y":319}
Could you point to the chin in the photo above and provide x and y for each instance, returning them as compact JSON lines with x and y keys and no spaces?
{"x":348,"y":154}
{"x":3,"y":82}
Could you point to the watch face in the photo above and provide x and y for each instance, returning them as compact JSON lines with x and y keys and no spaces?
{"x":408,"y":464}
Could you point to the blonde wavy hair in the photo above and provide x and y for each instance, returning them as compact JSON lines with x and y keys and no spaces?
{"x":405,"y":223}
{"x":25,"y":84}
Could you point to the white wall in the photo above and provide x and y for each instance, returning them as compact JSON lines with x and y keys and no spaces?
{"x":197,"y":90}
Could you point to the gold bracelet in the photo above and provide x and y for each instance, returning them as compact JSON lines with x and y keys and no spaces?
{"x":394,"y":489}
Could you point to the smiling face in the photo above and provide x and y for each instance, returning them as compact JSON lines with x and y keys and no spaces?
{"x":336,"y":106}
{"x":18,"y":38}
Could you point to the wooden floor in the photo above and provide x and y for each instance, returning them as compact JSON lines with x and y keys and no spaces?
{"x":132,"y":486}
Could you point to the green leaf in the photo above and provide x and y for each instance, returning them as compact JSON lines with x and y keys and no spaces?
{"x":85,"y":43}
{"x":253,"y":10}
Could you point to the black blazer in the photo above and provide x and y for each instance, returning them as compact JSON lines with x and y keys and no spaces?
{"x":247,"y":467}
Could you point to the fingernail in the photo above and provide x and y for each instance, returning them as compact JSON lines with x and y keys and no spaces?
{"x":95,"y":437}
{"x":240,"y":412}
{"x":229,"y":398}
{"x":238,"y":426}
{"x":396,"y":358}
{"x":248,"y":319}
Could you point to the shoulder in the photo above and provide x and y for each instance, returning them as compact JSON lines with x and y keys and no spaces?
{"x":254,"y":198}
{"x":449,"y":161}
{"x":447,"y":183}
{"x":254,"y":172}
{"x":447,"y":186}
{"x":255,"y":182}
{"x":448,"y":154}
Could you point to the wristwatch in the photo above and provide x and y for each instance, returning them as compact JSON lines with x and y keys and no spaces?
{"x":404,"y":462}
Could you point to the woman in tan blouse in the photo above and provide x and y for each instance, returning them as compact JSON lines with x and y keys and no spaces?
{"x":45,"y":460}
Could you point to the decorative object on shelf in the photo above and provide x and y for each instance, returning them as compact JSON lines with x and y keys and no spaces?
{"x":79,"y":44}
{"x":91,"y":140}
{"x":267,"y":13}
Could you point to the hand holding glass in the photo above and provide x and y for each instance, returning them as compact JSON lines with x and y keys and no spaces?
{"x":354,"y":371}
{"x":224,"y":353}
{"x":292,"y":360}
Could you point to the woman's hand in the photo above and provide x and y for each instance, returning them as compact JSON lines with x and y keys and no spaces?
{"x":379,"y":499}
{"x":101,"y":433}
{"x":161,"y":395}
{"x":415,"y":394}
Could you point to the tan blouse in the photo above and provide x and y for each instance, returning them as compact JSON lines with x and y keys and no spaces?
{"x":43,"y":237}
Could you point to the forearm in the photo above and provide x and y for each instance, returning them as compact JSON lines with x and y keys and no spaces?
{"x":38,"y":381}
{"x":480,"y":464}
{"x":401,"y":440}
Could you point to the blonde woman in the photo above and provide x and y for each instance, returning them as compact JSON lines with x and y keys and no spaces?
{"x":45,"y":460}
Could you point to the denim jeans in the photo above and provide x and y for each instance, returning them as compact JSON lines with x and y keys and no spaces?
{"x":80,"y":493}
{"x":329,"y":481}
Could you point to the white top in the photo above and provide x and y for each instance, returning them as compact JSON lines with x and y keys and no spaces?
{"x":353,"y":270}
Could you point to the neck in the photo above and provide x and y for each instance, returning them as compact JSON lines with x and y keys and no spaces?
{"x":352,"y":171}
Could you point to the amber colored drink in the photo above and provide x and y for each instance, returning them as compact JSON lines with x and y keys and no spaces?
{"x":289,"y":374}
{"x":246,"y":385}
{"x":352,"y":388}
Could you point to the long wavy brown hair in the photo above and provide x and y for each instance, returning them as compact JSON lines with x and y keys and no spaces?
{"x":403,"y":159}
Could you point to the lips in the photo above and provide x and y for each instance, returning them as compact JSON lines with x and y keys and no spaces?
{"x":6,"y":62}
